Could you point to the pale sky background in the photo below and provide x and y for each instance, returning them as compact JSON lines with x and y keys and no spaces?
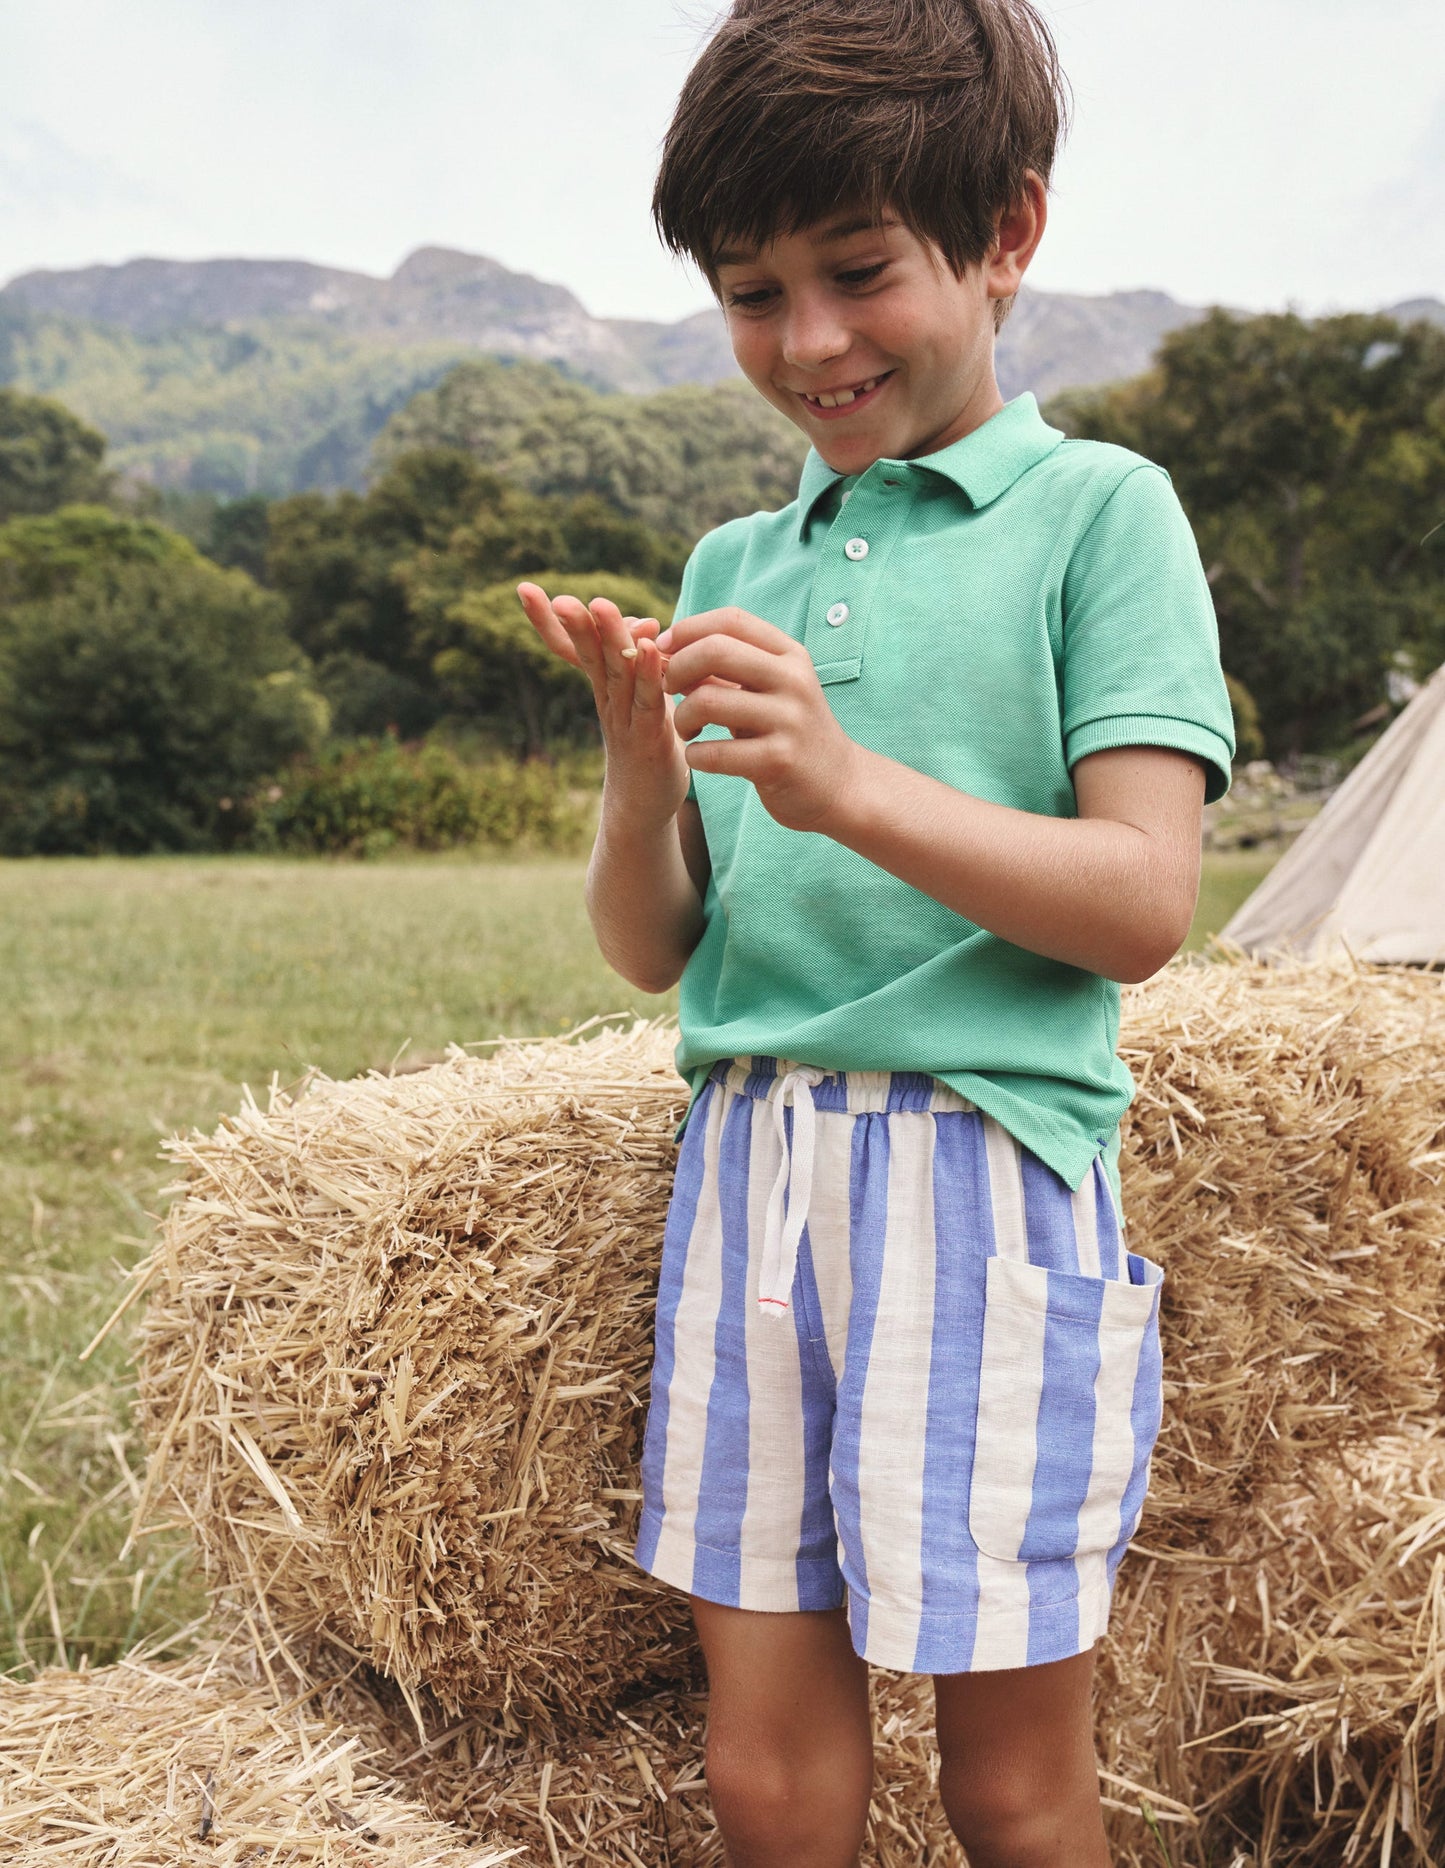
{"x":1257,"y":153}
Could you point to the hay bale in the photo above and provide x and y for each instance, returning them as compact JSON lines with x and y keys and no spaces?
{"x":398,"y":1338}
{"x":1280,"y":1704}
{"x":393,"y":1363}
{"x":1287,"y":1687}
{"x":630,"y":1794}
{"x":1284,"y":1161}
{"x":157,"y":1765}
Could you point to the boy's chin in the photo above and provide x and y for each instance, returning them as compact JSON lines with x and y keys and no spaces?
{"x":850,"y":454}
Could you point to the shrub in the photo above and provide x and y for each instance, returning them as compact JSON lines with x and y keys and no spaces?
{"x":368,"y":797}
{"x":1248,"y":734}
{"x":137,"y":704}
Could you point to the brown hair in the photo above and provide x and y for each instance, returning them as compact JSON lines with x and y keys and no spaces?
{"x":933,"y":109}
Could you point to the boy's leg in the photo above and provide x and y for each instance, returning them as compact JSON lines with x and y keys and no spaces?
{"x":789,"y":1736}
{"x":1019,"y":1781}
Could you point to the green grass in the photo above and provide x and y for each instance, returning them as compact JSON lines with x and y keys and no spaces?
{"x":1230,"y":876}
{"x":140,"y":996}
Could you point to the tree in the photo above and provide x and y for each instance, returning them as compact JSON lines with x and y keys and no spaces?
{"x":501,"y":671}
{"x":139,"y":705}
{"x":1310,"y":457}
{"x":45,"y":557}
{"x":374,"y":583}
{"x":47,"y":457}
{"x":681,"y":460}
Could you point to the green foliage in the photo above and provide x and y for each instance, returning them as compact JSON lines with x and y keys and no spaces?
{"x":379,"y":588}
{"x":47,"y":457}
{"x":1311,"y":459}
{"x":365,"y":799}
{"x":1248,"y":734}
{"x":268,"y":406}
{"x":500,"y":669}
{"x":138,"y":700}
{"x":681,"y":460}
{"x":50,"y":556}
{"x":239,"y":536}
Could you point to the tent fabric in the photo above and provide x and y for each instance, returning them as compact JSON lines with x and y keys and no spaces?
{"x":1368,"y":874}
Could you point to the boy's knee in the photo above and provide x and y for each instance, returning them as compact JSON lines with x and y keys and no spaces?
{"x":777,"y":1805}
{"x":1007,"y":1815}
{"x":763,"y":1787}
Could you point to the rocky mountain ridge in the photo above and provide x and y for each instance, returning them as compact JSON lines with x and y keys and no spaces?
{"x":1053,"y":341}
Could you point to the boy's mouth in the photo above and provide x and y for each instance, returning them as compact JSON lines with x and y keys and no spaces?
{"x":831,"y":403}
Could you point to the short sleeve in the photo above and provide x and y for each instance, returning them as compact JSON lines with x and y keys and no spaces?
{"x":1141,"y":645}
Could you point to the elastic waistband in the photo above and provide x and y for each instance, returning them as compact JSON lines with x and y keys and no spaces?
{"x":843,"y":1092}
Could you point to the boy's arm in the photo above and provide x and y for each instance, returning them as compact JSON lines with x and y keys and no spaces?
{"x":645,"y":885}
{"x":649,"y":865}
{"x":1111,"y":891}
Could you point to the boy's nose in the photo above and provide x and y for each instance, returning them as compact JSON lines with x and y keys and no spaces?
{"x":811,"y":339}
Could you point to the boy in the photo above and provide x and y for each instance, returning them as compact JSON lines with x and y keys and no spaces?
{"x":931,"y":789}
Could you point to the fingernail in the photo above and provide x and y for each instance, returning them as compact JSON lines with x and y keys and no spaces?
{"x":664,"y":641}
{"x":630,"y":654}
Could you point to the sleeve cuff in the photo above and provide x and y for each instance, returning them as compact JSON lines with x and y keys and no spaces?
{"x":1147,"y":729}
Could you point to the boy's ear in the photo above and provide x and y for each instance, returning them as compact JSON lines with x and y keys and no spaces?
{"x":1020,"y":229}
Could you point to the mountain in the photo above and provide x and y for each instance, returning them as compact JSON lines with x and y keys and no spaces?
{"x":435,"y":297}
{"x":237,"y":374}
{"x":441,"y":297}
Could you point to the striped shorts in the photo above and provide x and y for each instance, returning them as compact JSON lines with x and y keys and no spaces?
{"x":899,"y":1365}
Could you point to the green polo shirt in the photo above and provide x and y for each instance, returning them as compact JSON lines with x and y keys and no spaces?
{"x":987,"y":614}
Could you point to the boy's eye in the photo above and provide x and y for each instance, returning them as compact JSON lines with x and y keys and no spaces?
{"x":749,"y":301}
{"x":862,"y":275}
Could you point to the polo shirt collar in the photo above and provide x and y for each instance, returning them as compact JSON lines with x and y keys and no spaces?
{"x":982,"y":465}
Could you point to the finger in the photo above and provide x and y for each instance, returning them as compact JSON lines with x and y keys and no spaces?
{"x":738,"y":709}
{"x":648,"y":695}
{"x":641,"y":630}
{"x":613,"y":631}
{"x":544,"y":619}
{"x":576,"y":619}
{"x":727,"y":622}
{"x":616,"y":639}
{"x":725,"y":658}
{"x":733,"y":758}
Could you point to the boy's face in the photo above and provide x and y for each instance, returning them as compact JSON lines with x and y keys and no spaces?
{"x":861,"y":334}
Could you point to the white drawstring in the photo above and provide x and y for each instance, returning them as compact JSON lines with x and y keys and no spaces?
{"x":781,"y":1236}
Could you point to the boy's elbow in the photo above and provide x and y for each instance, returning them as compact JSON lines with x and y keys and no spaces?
{"x":1151,"y":947}
{"x":653,"y":981}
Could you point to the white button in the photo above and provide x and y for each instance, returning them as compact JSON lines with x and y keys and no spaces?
{"x":838,"y":615}
{"x":857,"y":548}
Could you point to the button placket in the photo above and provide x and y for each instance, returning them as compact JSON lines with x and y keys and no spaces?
{"x":853,"y":558}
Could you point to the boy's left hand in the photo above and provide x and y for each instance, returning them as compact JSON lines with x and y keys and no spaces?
{"x":738,"y":672}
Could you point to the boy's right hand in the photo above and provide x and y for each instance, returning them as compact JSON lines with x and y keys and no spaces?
{"x":646,"y":762}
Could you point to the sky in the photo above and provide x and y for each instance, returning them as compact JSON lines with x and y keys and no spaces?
{"x":1255,"y":153}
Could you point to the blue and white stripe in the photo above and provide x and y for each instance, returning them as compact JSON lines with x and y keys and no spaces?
{"x":953,"y":1434}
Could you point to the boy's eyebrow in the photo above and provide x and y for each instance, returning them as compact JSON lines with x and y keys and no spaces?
{"x":836,"y":230}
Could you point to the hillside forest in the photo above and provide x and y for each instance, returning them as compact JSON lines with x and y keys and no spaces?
{"x":343,"y":670}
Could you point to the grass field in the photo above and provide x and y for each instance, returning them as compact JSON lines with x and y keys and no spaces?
{"x":139,"y":996}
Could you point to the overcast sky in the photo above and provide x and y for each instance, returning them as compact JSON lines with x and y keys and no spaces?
{"x":1253,"y":152}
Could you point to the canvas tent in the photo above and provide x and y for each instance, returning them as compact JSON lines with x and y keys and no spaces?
{"x":1368,"y":874}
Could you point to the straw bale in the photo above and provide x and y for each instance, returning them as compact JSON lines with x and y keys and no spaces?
{"x":633,"y":1791}
{"x":1279,"y":1703}
{"x":385,"y":1313}
{"x":162,"y":1764}
{"x":1284,"y":1160}
{"x":1286,"y":1687}
{"x":393,"y":1362}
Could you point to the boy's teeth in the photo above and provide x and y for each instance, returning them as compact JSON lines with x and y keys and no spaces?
{"x":844,"y":396}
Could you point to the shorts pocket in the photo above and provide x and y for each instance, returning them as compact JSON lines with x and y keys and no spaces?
{"x":1069,"y":1401}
